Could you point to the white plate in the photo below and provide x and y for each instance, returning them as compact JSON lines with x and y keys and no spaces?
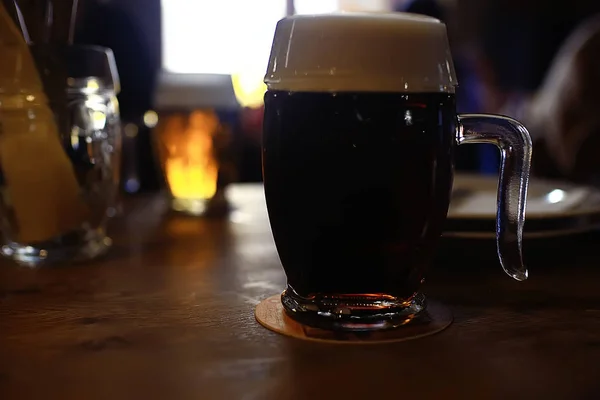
{"x":553,"y":208}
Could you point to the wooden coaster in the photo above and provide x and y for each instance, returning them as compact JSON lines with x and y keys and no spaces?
{"x":270,"y":314}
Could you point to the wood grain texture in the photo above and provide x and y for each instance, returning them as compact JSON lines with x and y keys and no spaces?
{"x":169,"y":314}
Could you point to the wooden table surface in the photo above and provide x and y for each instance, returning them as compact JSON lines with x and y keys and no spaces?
{"x":169,"y":315}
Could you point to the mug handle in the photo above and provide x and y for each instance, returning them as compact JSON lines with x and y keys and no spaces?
{"x":514,"y":143}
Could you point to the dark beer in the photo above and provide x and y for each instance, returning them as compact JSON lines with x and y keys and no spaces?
{"x":357,"y":187}
{"x":359,"y":133}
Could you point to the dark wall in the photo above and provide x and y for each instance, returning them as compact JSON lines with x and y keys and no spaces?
{"x":131,"y":28}
{"x":520,"y":37}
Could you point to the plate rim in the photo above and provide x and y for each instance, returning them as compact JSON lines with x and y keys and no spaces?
{"x":526,"y":235}
{"x":542,"y":216}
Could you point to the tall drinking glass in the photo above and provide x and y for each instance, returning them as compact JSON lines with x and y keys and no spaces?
{"x":59,"y":152}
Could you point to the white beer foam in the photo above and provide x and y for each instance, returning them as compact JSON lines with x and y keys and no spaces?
{"x":345,"y":52}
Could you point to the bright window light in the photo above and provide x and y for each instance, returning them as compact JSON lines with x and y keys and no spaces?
{"x":327,"y":6}
{"x":316,"y":6}
{"x":218,"y":37}
{"x":229,"y":37}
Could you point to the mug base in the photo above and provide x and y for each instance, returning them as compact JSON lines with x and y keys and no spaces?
{"x":353,"y":313}
{"x":77,"y":247}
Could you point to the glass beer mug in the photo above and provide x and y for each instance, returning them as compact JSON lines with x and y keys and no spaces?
{"x":358,"y":146}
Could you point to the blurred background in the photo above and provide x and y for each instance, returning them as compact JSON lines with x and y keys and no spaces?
{"x":191,"y":76}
